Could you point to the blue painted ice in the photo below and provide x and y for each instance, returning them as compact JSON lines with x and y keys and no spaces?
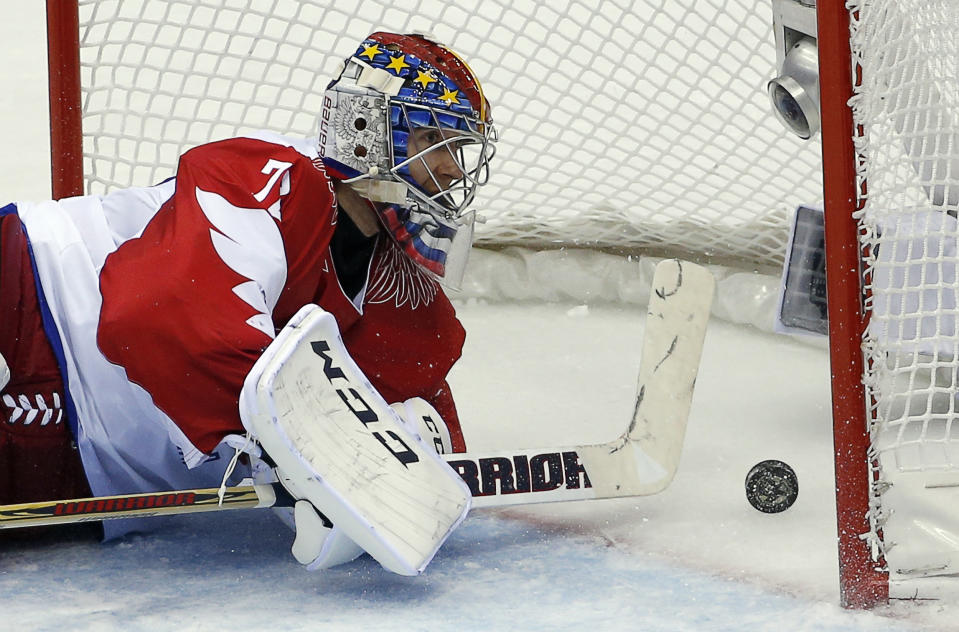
{"x":232,"y":571}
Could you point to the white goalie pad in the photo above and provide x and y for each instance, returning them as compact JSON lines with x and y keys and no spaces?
{"x":338,"y":444}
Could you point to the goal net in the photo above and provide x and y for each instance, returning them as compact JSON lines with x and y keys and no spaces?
{"x":907,"y":149}
{"x":638,"y":126}
{"x":634,"y":126}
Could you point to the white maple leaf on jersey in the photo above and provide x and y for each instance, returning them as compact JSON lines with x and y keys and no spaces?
{"x":249,"y":242}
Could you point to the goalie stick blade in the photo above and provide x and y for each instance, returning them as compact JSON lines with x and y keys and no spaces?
{"x":644,"y":459}
{"x":679,"y":305}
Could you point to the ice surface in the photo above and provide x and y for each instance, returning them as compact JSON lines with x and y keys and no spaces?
{"x":210,"y":572}
{"x":696,"y":557}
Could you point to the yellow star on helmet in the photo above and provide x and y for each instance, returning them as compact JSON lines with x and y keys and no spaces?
{"x":450,"y":97}
{"x":423,"y":79}
{"x":398,"y":63}
{"x":371,"y":51}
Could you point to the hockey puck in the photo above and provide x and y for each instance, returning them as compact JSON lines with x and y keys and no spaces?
{"x":771,"y":486}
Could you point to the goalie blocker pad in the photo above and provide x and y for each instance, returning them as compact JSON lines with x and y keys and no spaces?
{"x":339,"y":445}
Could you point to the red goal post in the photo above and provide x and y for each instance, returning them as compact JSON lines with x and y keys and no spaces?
{"x":889,"y":82}
{"x":66,"y":128}
{"x":862,"y":584}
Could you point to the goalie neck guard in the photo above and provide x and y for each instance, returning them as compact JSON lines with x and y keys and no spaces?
{"x":406,"y":123}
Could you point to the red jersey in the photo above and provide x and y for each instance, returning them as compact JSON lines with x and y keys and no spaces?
{"x":160,"y":300}
{"x":241,"y":245}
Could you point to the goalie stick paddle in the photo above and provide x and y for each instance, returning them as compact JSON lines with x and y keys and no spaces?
{"x":641,"y":461}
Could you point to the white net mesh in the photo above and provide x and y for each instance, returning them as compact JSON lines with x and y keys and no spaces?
{"x":631,"y":124}
{"x":909,"y":166}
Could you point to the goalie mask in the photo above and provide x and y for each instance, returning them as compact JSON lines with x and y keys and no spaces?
{"x":406,"y":123}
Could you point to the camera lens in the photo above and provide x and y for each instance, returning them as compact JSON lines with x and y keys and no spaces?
{"x":790,"y":110}
{"x":794,"y":94}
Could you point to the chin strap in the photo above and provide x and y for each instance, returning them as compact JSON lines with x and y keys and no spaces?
{"x":365,"y":185}
{"x":382,"y":191}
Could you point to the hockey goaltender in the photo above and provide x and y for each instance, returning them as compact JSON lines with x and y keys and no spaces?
{"x":254,"y":315}
{"x":269,"y":328}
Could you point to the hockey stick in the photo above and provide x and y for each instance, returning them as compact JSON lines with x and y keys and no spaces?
{"x":134,"y":506}
{"x":642,"y":461}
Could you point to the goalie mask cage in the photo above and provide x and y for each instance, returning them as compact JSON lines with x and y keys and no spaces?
{"x":638,"y":126}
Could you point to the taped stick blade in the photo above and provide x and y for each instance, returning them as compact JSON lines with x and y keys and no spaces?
{"x":644,"y":460}
{"x":680,"y":300}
